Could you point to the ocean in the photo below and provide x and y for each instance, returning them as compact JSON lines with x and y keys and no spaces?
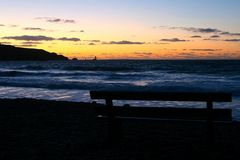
{"x":72,"y":80}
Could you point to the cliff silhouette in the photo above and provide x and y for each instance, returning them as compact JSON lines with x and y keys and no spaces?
{"x":12,"y":53}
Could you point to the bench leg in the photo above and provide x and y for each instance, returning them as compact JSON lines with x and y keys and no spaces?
{"x":210,"y":127}
{"x":114,"y":124}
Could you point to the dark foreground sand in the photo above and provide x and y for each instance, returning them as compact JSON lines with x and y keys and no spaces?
{"x":42,"y":130}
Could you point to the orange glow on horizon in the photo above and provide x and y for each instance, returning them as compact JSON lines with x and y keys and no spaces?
{"x":106,"y":42}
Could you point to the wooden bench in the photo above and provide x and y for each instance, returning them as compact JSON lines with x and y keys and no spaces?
{"x":208,"y":114}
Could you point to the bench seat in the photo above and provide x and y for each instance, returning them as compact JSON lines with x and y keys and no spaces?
{"x":166,"y":113}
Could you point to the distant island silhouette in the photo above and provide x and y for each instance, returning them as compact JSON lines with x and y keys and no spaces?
{"x":12,"y":53}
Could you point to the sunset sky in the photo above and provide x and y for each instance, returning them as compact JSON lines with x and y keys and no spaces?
{"x":124,"y":29}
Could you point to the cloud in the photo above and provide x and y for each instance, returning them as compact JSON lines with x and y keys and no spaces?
{"x":215,"y":36}
{"x":29,"y":44}
{"x":124,"y":42}
{"x":40,"y":38}
{"x":207,"y":30}
{"x":91,"y":44}
{"x":211,"y":39}
{"x":189,"y":55}
{"x":200,"y":30}
{"x":230,"y":34}
{"x":69,"y":39}
{"x":69,"y":21}
{"x":56,"y":20}
{"x":158,"y":43}
{"x":2,"y":25}
{"x":94,"y":41}
{"x":30,"y":38}
{"x":26,"y":45}
{"x":13,"y":25}
{"x":196,"y":36}
{"x":33,"y":29}
{"x":206,"y":50}
{"x":143,"y":53}
{"x":80,"y":31}
{"x":173,"y":40}
{"x":203,"y":30}
{"x":194,"y":29}
{"x":232,"y":40}
{"x":6,"y":43}
{"x":209,"y":55}
{"x":77,"y":44}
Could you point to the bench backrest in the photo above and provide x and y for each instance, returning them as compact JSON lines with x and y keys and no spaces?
{"x":208,"y":97}
{"x":163,"y":96}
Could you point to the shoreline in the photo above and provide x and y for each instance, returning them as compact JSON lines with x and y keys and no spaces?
{"x":42,"y":129}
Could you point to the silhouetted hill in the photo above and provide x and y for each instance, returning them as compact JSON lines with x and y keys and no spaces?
{"x":11,"y":53}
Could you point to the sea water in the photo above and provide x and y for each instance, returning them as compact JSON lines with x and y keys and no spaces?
{"x":72,"y":80}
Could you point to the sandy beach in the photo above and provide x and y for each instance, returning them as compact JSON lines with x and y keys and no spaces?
{"x":39,"y":129}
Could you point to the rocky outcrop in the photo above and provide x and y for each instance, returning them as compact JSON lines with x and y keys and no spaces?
{"x":11,"y":53}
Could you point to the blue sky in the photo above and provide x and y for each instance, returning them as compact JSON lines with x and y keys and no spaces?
{"x":218,"y":13}
{"x":189,"y":11}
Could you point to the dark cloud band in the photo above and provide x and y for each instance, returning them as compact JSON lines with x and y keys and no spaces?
{"x":206,"y":50}
{"x":69,"y":39}
{"x":196,"y":36}
{"x":174,"y":40}
{"x":124,"y":42}
{"x":30,"y":38}
{"x":201,"y":30}
{"x":143,"y":53}
{"x":232,"y":40}
{"x":39,"y":38}
{"x":33,"y":29}
{"x":194,"y":29}
{"x":80,"y":31}
{"x":230,"y":34}
{"x":215,"y":36}
{"x":56,"y":20}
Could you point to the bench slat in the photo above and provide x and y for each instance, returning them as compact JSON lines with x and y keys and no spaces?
{"x":168,"y":113}
{"x":163,"y":96}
